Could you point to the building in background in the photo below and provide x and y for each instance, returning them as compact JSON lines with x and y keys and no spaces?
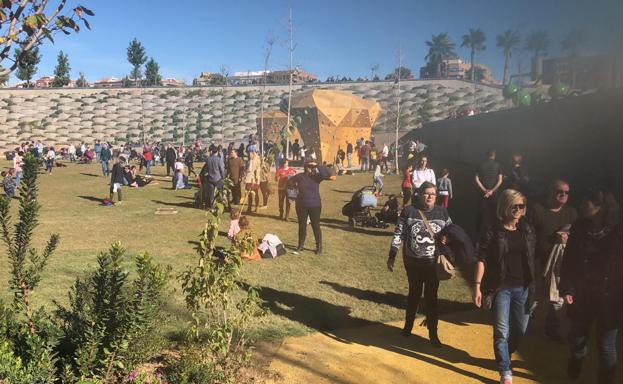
{"x":299,"y":76}
{"x":581,"y":73}
{"x":171,"y":82}
{"x":457,"y":68}
{"x":109,"y":82}
{"x":205,"y":79}
{"x":248,"y":78}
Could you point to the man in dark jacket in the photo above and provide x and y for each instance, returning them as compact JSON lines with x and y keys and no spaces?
{"x":170,"y":157}
{"x":105,"y":156}
{"x":116,"y":180}
{"x":213,"y":175}
{"x":235,"y":169}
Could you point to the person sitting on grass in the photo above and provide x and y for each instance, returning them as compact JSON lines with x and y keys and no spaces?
{"x":7,"y":183}
{"x":180,"y":181}
{"x":389,"y":212}
{"x":234,"y":226}
{"x":246,"y":240}
{"x":135,"y":180}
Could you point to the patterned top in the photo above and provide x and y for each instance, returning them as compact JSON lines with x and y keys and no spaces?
{"x":412,"y":231}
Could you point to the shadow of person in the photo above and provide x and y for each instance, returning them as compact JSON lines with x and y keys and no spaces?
{"x":185,"y":204}
{"x":92,"y":198}
{"x":336,"y":322}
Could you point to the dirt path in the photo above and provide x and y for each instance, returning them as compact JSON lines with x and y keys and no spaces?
{"x":377,"y":353}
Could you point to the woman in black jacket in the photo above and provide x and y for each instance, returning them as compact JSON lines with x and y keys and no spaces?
{"x":591,"y":281}
{"x":506,"y":272}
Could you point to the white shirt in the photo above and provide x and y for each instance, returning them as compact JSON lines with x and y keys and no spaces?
{"x":419,"y":176}
{"x":50,"y":155}
{"x":179,"y":165}
{"x":72,"y":150}
{"x":385,"y":151}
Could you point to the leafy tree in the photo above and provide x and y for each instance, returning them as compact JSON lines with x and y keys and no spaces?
{"x":82,"y":81}
{"x":405,"y":73}
{"x":25,"y":23}
{"x":475,"y":41}
{"x":28,"y":61}
{"x":538,"y":42}
{"x":136,"y":57}
{"x":152,"y":73}
{"x":61,"y":72}
{"x":477,"y":71}
{"x":218,"y":79}
{"x":440,"y":48}
{"x":508,"y":41}
{"x":571,"y":44}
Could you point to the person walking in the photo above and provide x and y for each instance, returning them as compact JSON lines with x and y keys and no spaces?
{"x":591,"y":282}
{"x":252,"y":181}
{"x":116,"y":180}
{"x":18,"y":163}
{"x":188,"y":160}
{"x":407,"y":187}
{"x":507,"y":249}
{"x":235,"y":169}
{"x":488,"y":179}
{"x":98,"y":150}
{"x":281,"y":176}
{"x":552,"y":222}
{"x":444,"y":186}
{"x":148,"y":158}
{"x":213,"y":173}
{"x":364,"y":156}
{"x":308,"y":202}
{"x":50,"y":159}
{"x":264,"y":182}
{"x":349,"y":154}
{"x":170,"y":157}
{"x":377,"y":180}
{"x":105,"y":156}
{"x":422,"y":173}
{"x":417,"y":229}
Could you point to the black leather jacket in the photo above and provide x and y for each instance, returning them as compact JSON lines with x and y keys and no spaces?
{"x":493,"y":251}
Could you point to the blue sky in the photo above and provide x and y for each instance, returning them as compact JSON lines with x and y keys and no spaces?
{"x":338,"y":37}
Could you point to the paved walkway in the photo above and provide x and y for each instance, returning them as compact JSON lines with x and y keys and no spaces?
{"x":377,"y":353}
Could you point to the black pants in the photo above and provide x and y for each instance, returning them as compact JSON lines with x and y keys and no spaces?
{"x":406,"y":195}
{"x":170,"y":167}
{"x":265,"y":192}
{"x":191,"y":169}
{"x":212,"y":187}
{"x":486,"y":213}
{"x":314,"y":216}
{"x":236,"y":194}
{"x":283,"y":200}
{"x":421,"y":276}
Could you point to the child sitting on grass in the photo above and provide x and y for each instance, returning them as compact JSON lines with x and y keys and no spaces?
{"x":234,"y":227}
{"x":246,"y":241}
{"x":7,"y":183}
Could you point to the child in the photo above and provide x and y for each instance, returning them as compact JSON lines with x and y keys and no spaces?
{"x":377,"y":180}
{"x":246,"y":241}
{"x":444,"y":188}
{"x":234,"y":227}
{"x":7,"y":183}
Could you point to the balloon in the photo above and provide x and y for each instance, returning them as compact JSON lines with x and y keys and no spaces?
{"x":510,"y":90}
{"x":524,"y":98}
{"x":559,"y":89}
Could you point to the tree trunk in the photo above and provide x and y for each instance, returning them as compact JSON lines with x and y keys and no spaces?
{"x":472,"y":62}
{"x":505,"y":77}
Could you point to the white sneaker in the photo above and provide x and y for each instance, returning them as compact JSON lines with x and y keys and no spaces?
{"x":506,"y":380}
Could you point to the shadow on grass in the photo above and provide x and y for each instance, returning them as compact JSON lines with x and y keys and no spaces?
{"x":185,"y":204}
{"x":399,"y":301}
{"x":336,"y":322}
{"x":341,"y":191}
{"x":92,"y":198}
{"x":345,"y":227}
{"x":90,"y":174}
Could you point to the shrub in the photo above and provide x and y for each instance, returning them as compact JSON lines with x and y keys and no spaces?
{"x":112,"y":323}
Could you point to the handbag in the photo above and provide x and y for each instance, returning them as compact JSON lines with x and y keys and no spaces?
{"x":443,"y":267}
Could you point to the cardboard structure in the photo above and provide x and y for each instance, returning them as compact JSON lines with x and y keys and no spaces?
{"x":328,"y":119}
{"x":274,"y":123}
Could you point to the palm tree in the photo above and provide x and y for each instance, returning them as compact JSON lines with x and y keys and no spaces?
{"x":570,"y":44}
{"x":507,"y":42}
{"x":440,"y":48}
{"x":475,"y":41}
{"x":538,"y":42}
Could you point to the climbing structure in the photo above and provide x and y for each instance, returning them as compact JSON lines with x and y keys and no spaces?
{"x":328,"y":119}
{"x":274,"y":125}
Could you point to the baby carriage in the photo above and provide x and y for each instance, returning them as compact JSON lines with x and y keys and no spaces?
{"x":358,"y":208}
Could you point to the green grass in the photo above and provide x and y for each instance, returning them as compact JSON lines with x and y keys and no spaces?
{"x":347,"y":285}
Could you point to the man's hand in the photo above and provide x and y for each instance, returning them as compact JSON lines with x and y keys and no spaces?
{"x":488,"y":194}
{"x":562,"y":237}
{"x":569,"y":299}
{"x":477,"y":296}
{"x":390,"y":263}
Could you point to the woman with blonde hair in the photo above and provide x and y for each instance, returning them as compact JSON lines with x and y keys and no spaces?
{"x":505,"y":274}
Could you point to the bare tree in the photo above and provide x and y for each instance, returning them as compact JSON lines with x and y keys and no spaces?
{"x":374,"y":69}
{"x":270,"y":41}
{"x":290,"y":50}
{"x":398,"y":108}
{"x":224,"y":72}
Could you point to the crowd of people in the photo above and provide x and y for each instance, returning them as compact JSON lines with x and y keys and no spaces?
{"x":543,"y":252}
{"x":525,"y":252}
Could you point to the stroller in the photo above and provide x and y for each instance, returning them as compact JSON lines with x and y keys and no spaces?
{"x":358,"y":208}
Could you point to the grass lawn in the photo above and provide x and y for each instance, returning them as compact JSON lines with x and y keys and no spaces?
{"x":347,"y":285}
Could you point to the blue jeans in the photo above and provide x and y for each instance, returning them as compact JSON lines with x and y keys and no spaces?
{"x":365,"y":163}
{"x":148,"y":167}
{"x":377,"y":184}
{"x":606,"y":343}
{"x":18,"y":177}
{"x":510,"y":323}
{"x":105,"y":169}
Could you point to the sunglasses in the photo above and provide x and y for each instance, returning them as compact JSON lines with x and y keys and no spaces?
{"x":518,"y":207}
{"x":562,"y":192}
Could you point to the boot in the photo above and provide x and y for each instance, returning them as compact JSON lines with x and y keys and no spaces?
{"x":434,"y":338}
{"x":319,"y":249}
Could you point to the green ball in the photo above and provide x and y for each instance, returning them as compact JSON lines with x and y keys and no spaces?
{"x":524,"y":98}
{"x":559,"y":89}
{"x":510,"y":90}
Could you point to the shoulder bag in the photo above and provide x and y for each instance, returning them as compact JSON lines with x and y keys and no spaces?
{"x":443,"y":267}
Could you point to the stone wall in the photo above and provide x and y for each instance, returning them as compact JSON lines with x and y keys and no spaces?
{"x":60,"y":116}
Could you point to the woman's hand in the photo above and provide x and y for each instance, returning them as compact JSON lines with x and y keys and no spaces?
{"x":477,"y":296}
{"x":569,"y":299}
{"x":390,"y":264}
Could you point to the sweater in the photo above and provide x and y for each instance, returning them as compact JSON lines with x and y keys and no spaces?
{"x":308,"y":186}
